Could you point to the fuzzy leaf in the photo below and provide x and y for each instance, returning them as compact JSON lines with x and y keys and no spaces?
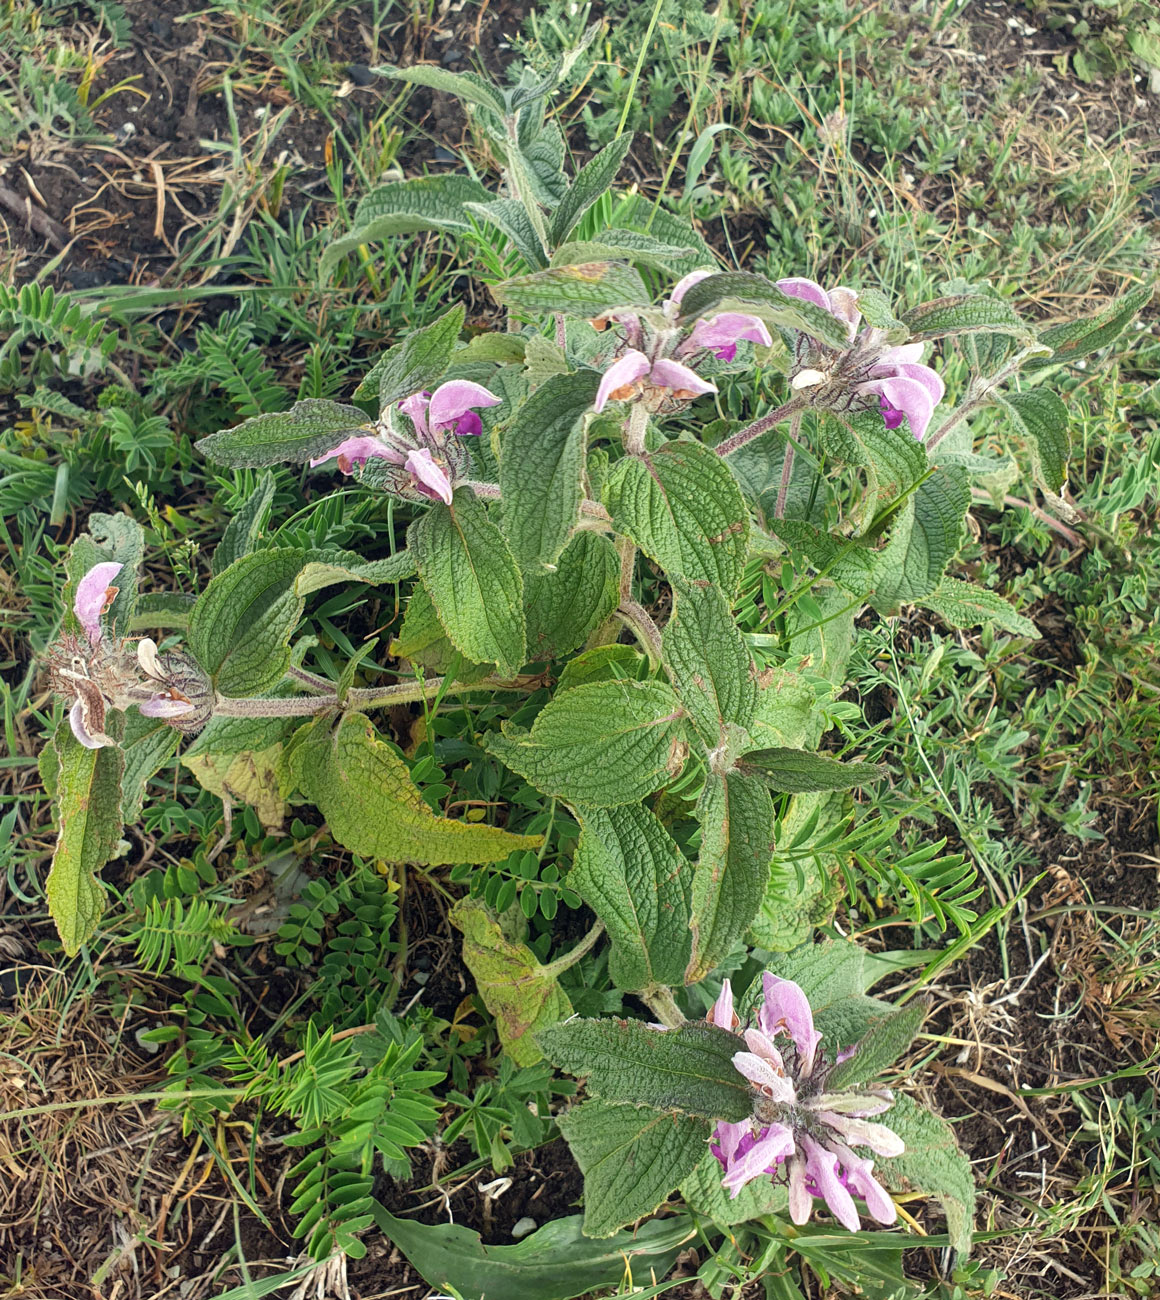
{"x":522,"y":995}
{"x":702,"y":1192}
{"x":423,"y":640}
{"x":148,"y":744}
{"x":878,"y":1050}
{"x":473,"y":581}
{"x":627,"y":246}
{"x":681,"y":505}
{"x":86,"y":788}
{"x":557,"y":1262}
{"x":583,"y":289}
{"x":566,"y":606}
{"x":467,"y":86}
{"x":1041,"y":417}
{"x":591,"y":183}
{"x":542,"y":468}
{"x":511,"y":217}
{"x":924,"y":538}
{"x":240,"y":759}
{"x":631,"y":1158}
{"x":416,"y":364}
{"x":1080,"y":338}
{"x":350,"y":568}
{"x":689,"y":1069}
{"x":844,"y":560}
{"x":709,"y":662}
{"x":732,"y":871}
{"x":307,"y":430}
{"x":365,"y":792}
{"x":603,"y":744}
{"x":630,"y":872}
{"x":967,"y":313}
{"x":242,"y":531}
{"x":932,"y":1163}
{"x":966,"y":604}
{"x":894,"y":458}
{"x":240,"y":628}
{"x":745,"y":292}
{"x":798,"y":771}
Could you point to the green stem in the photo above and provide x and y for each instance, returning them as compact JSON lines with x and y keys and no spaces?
{"x":759,"y":426}
{"x":370,"y":697}
{"x":662,"y":1004}
{"x":573,"y":955}
{"x":640,"y":623}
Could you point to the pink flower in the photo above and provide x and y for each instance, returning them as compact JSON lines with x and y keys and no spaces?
{"x":799,"y":1131}
{"x":93,"y":597}
{"x":722,"y":333}
{"x":450,"y":407}
{"x":870,"y":371}
{"x":622,"y":380}
{"x":352,"y":452}
{"x":427,"y":476}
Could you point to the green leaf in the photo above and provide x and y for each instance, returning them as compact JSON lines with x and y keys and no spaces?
{"x":709,"y":662}
{"x":626,"y":246}
{"x":240,"y":628}
{"x":148,"y":744}
{"x":418,"y":363}
{"x":349,"y":568}
{"x":423,"y":640}
{"x":307,"y":430}
{"x":110,"y":538}
{"x":798,"y":771}
{"x":86,"y":787}
{"x":878,"y":1050}
{"x":406,"y":207}
{"x":603,"y":663}
{"x":703,"y":1193}
{"x":365,"y":792}
{"x":637,"y":212}
{"x":965,"y":313}
{"x":242,"y":531}
{"x":932,"y":1163}
{"x":557,"y":1262}
{"x":473,"y":581}
{"x":591,"y":183}
{"x":732,"y":871}
{"x":511,"y":217}
{"x":542,"y":468}
{"x":1041,"y":417}
{"x":467,"y":86}
{"x":583,"y":289}
{"x":523,"y":996}
{"x":603,"y":744}
{"x":965,"y":604}
{"x":566,"y":606}
{"x":689,"y":1069}
{"x":156,"y":609}
{"x":240,"y":759}
{"x":787,"y":711}
{"x":925,"y":537}
{"x":1080,"y":338}
{"x":630,"y":872}
{"x":893,"y":458}
{"x":631,"y":1158}
{"x":743,"y":291}
{"x":844,"y":560}
{"x":681,"y":505}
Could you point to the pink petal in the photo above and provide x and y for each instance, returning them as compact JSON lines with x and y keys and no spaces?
{"x":623,"y":373}
{"x":91,"y":601}
{"x":908,"y":396}
{"x":785,"y":1008}
{"x":683,"y":286}
{"x":844,"y":305}
{"x":728,"y":1137}
{"x":728,"y":329}
{"x":860,"y":1182}
{"x":930,"y":379}
{"x":861,"y":1133}
{"x":162,"y":706}
{"x":427,"y":477}
{"x":822,"y":1167}
{"x":798,"y":286}
{"x":415,"y":406}
{"x":721,"y":1012}
{"x":671,"y":374}
{"x":452,"y":400}
{"x":762,"y":1045}
{"x":357,"y":451}
{"x":762,"y":1073}
{"x":903,"y":354}
{"x":769,"y":1150}
{"x":76,"y":720}
{"x":801,"y":1202}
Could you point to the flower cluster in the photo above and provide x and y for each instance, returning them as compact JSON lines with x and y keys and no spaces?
{"x":657,"y":359}
{"x":800,"y":1130}
{"x":98,"y":673}
{"x":870,"y":372}
{"x":422,"y":459}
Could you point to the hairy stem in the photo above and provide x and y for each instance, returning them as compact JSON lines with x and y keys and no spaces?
{"x":787,"y":468}
{"x":368,"y":697}
{"x":635,"y":428}
{"x":573,"y":955}
{"x":309,"y":679}
{"x":662,"y":1004}
{"x":639,"y":621}
{"x":760,"y":426}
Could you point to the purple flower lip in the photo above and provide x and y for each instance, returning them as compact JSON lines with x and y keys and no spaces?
{"x":622,"y":380}
{"x":870,"y":373}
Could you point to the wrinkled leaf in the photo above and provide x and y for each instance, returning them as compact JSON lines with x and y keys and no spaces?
{"x":304,"y":432}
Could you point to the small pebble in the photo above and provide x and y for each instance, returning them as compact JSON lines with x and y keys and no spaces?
{"x":523,"y":1227}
